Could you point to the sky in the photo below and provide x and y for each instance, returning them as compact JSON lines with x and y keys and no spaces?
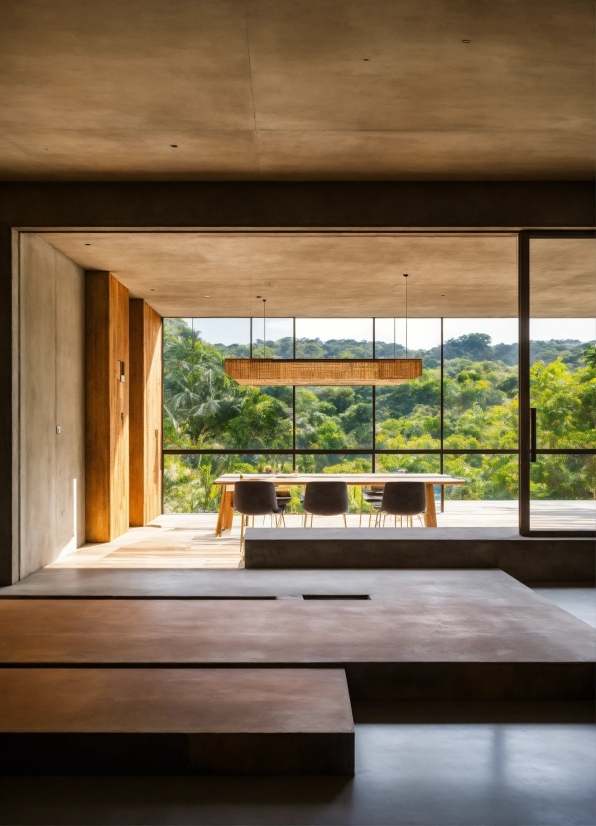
{"x":422,"y":333}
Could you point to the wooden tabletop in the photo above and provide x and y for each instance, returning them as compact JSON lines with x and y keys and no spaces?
{"x":351,"y":478}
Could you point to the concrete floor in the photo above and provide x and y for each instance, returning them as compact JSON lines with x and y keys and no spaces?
{"x":420,"y":764}
{"x":419,"y":773}
{"x":577,"y":600}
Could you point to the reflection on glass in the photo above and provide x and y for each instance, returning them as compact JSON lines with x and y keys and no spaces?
{"x":278,"y":336}
{"x":563,"y":492}
{"x":337,"y":338}
{"x":488,"y":476}
{"x":480,"y":384}
{"x":333,"y":418}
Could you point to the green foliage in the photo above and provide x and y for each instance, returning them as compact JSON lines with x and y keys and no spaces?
{"x":204,"y":408}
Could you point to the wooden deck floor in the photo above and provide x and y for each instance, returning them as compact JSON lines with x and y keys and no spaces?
{"x":188,"y":541}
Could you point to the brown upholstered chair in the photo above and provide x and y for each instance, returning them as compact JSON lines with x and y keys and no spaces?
{"x":325,"y":499}
{"x":402,"y":499}
{"x":254,"y":498}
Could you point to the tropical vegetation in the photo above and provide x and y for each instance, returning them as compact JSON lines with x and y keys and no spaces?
{"x":205,"y":409}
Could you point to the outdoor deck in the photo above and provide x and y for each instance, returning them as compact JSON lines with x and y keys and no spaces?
{"x":188,"y":541}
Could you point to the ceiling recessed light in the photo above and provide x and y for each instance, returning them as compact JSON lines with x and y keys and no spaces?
{"x":207,"y":296}
{"x":87,"y":245}
{"x":174,"y":145}
{"x":366,"y":59}
{"x":258,"y":296}
{"x":466,"y":41}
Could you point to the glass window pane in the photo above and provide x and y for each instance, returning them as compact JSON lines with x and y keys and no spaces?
{"x":410,"y":462}
{"x":480,"y":383}
{"x":334,"y":463}
{"x":563,"y":341}
{"x":423,"y":339}
{"x":563,"y":381}
{"x":563,"y":492}
{"x":318,"y":338}
{"x":408,"y":415}
{"x":204,"y":408}
{"x":188,"y":480}
{"x":488,"y":476}
{"x":333,"y":418}
{"x":279,"y":338}
{"x":229,"y":336}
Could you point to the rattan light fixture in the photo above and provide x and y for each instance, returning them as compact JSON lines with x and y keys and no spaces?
{"x":311,"y":372}
{"x":271,"y":372}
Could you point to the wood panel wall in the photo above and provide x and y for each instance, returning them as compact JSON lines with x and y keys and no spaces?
{"x":145,"y":413}
{"x":106,"y":407}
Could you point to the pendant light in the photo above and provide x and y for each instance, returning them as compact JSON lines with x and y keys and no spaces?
{"x":336,"y":372}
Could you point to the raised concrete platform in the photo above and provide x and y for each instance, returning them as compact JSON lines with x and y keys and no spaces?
{"x":421,"y":634}
{"x":527,"y":559}
{"x":175,"y":721}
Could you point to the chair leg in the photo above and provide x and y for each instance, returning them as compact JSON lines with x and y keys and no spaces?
{"x":241,"y":532}
{"x":311,"y":518}
{"x":345,"y":523}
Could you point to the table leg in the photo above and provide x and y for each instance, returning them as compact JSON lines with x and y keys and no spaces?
{"x":430,"y":516}
{"x":226,"y":511}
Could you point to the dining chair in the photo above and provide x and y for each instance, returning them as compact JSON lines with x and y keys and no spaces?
{"x":325,"y":499}
{"x":403,"y":499}
{"x":372,"y":496}
{"x":255,"y":498}
{"x":284,"y":497}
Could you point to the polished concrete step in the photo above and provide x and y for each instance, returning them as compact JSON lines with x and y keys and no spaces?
{"x":440,"y":634}
{"x":529,"y":559}
{"x":175,"y":721}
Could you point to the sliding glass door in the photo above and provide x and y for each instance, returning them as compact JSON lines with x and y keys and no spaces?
{"x":557,"y":383}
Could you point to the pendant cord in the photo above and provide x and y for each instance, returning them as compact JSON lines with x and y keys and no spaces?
{"x":406,"y":277}
{"x":394,"y":323}
{"x":264,"y":302}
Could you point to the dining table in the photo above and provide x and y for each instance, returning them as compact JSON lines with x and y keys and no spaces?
{"x":361,"y":480}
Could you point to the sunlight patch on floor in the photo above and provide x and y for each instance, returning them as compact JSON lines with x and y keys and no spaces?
{"x":188,"y":540}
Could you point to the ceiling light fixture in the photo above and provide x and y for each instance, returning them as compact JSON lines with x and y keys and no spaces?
{"x":466,"y":41}
{"x":270,"y":372}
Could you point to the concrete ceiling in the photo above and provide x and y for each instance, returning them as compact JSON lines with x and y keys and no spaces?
{"x":338,"y":275}
{"x":297,"y":89}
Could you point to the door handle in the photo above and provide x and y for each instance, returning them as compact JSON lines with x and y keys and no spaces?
{"x":532,"y":434}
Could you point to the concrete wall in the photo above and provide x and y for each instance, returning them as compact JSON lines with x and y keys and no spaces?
{"x":51,"y":395}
